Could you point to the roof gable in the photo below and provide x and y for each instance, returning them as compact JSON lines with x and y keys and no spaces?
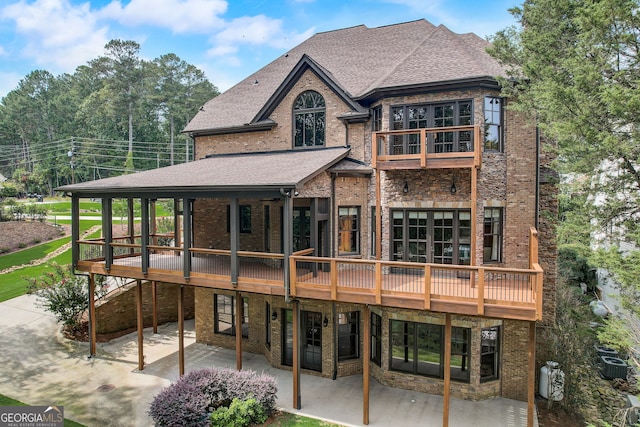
{"x":305,"y":64}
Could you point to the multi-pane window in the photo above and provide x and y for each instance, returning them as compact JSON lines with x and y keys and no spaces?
{"x":349,"y":229}
{"x":418,"y":348}
{"x":492,"y":123}
{"x":348,"y":335}
{"x":438,"y":236}
{"x":490,"y":354}
{"x":492,"y":235}
{"x":455,"y":113}
{"x":376,"y":118}
{"x":225,"y":315}
{"x":244,"y":218}
{"x":309,"y":117}
{"x":376,"y":339}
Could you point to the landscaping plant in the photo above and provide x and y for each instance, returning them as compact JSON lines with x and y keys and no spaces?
{"x":190,"y":401}
{"x":65,"y":294}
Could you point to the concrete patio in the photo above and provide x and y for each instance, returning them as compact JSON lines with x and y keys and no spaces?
{"x":40,"y":367}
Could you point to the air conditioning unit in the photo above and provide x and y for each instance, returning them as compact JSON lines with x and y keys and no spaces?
{"x":613,"y":367}
{"x":633,"y":411}
{"x":606,"y":351}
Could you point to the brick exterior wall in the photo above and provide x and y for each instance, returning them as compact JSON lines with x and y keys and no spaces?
{"x":118,"y":312}
{"x":506,"y":179}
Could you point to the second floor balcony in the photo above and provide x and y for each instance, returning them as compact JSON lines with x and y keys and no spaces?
{"x":427,"y":148}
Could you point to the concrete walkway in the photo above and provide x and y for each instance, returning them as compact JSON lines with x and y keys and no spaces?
{"x":40,"y":367}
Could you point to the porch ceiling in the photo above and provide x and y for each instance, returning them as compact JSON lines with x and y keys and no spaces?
{"x":237,"y":173}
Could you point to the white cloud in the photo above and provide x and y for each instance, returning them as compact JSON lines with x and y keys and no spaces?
{"x":180,"y":16}
{"x":55,"y":32}
{"x":2,"y":51}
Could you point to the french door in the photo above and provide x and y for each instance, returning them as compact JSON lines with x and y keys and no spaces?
{"x":433,"y":236}
{"x":311,"y":340}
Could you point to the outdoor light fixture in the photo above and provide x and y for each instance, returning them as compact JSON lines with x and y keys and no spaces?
{"x":325,"y":322}
{"x":453,"y":188}
{"x":274,"y":315}
{"x":405,"y":189}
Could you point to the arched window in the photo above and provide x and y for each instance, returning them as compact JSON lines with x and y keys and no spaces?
{"x":309,"y":119}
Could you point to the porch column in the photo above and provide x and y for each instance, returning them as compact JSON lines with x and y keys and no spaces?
{"x":474,"y":213}
{"x":296,"y":355}
{"x":181,"y":329}
{"x":131,"y":224}
{"x":234,"y":230}
{"x":92,"y":315}
{"x":144,"y":233}
{"x":176,"y":223}
{"x":447,"y":370}
{"x":531,"y":377}
{"x":140,"y":324}
{"x":107,"y":232}
{"x":154,"y":305}
{"x":287,"y":242}
{"x":239,"y":307}
{"x":186,"y":227}
{"x":75,"y":230}
{"x":153,"y":227}
{"x":366,"y":355}
{"x":378,"y":217}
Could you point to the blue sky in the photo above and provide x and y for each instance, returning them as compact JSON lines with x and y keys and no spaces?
{"x":228,"y":40}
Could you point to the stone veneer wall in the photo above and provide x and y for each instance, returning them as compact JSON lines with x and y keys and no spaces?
{"x":119,"y":311}
{"x":515,"y":359}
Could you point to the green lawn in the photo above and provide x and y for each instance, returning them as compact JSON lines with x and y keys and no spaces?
{"x":15,"y":283}
{"x":7,"y":401}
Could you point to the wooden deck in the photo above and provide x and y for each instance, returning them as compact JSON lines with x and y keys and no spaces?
{"x":477,"y":290}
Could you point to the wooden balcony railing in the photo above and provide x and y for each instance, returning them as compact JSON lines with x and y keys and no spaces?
{"x":467,"y":290}
{"x":428,"y":148}
{"x":481,"y":290}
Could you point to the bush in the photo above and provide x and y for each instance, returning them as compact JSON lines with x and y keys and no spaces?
{"x":65,"y":294}
{"x":240,"y":413}
{"x":191,"y":399}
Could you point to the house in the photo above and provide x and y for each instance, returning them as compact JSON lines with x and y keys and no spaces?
{"x":363,"y":205}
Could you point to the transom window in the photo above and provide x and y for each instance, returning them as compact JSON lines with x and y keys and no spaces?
{"x":309,"y":117}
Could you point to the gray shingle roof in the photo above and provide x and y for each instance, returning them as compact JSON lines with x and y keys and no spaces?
{"x":237,"y":172}
{"x":361,"y":61}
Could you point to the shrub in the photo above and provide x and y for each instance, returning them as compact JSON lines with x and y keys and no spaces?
{"x":65,"y":294}
{"x":240,"y":413}
{"x":191,"y":399}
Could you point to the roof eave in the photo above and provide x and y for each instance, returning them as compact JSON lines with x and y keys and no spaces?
{"x":481,"y":82}
{"x":263,"y":125}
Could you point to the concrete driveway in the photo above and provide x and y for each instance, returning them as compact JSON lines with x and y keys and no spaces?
{"x":40,"y":367}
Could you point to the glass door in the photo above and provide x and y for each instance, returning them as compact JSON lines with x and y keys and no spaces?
{"x":312,"y":340}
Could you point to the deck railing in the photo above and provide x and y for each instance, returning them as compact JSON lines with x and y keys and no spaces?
{"x":428,"y":147}
{"x":387,"y":282}
{"x":474,"y":290}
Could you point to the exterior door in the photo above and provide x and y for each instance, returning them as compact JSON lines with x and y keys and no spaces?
{"x":301,"y":228}
{"x":438,"y":236}
{"x":311,"y":340}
